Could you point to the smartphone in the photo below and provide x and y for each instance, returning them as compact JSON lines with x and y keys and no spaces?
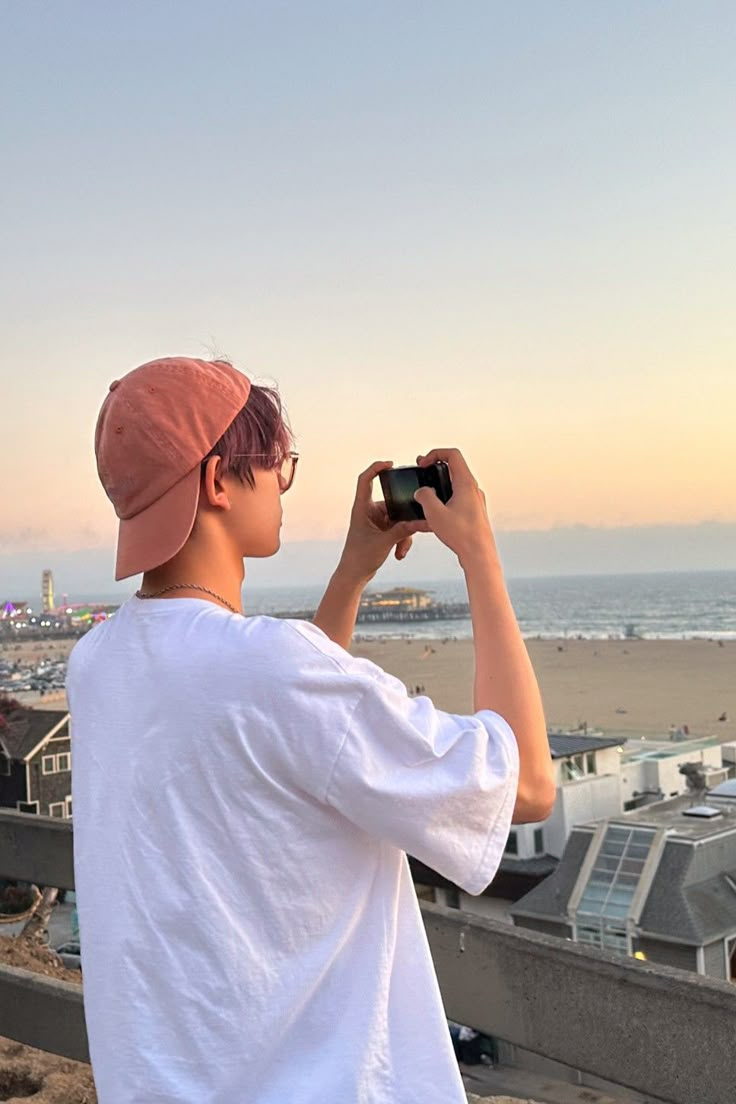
{"x":399,"y":484}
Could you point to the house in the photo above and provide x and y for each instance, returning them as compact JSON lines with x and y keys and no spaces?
{"x":35,"y":761}
{"x":657,"y":883}
{"x":650,"y":769}
{"x":599,"y":776}
{"x":587,"y":776}
{"x":596,"y":778}
{"x":588,"y":780}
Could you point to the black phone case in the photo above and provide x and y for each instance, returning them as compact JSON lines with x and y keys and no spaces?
{"x":436,"y":475}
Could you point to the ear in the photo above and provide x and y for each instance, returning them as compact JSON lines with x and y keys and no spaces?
{"x":213,"y":489}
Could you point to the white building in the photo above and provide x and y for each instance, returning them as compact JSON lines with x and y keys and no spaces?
{"x":650,"y":770}
{"x":597,"y":777}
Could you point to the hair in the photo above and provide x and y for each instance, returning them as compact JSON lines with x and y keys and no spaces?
{"x":260,"y":430}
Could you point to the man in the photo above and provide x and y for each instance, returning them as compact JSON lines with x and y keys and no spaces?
{"x":246,"y":792}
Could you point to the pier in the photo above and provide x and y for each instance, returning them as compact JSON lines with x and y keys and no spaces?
{"x":389,"y":614}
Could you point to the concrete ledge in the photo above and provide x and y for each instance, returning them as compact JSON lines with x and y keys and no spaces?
{"x":36,"y":849}
{"x":473,"y":1099}
{"x":43,"y":1012}
{"x":659,"y":1031}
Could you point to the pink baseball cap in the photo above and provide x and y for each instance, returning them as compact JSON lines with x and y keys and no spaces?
{"x":153,"y":431}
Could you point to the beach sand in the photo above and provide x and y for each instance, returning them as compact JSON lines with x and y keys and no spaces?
{"x":657,"y":683}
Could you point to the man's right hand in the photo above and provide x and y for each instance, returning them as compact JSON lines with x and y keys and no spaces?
{"x":462,"y":524}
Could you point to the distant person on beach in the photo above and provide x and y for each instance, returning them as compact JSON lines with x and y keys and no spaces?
{"x":246,"y":792}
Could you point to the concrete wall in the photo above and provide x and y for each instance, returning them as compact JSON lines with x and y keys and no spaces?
{"x":633,"y":779}
{"x":510,"y":1055}
{"x":591,"y":798}
{"x":714,"y":959}
{"x":608,"y":761}
{"x":495,"y":908}
{"x":660,"y":1032}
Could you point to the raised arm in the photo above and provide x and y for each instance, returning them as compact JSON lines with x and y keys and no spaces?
{"x":504,"y":677}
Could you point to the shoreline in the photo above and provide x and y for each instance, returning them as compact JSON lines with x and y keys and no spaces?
{"x":726,"y":637}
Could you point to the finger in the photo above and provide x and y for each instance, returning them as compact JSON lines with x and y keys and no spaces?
{"x":364,"y":491}
{"x":430,"y":503}
{"x":456,"y":462}
{"x":377,"y":513}
{"x":402,"y":548}
{"x":401,"y":529}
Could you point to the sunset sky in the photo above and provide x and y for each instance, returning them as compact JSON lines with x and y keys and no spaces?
{"x":506,"y":227}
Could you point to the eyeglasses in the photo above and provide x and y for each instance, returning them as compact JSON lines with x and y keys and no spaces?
{"x":285,"y":470}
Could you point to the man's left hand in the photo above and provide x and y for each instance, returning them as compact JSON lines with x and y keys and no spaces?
{"x":371,"y":534}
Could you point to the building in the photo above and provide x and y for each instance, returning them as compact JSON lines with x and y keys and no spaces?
{"x":596,"y":778}
{"x":405,"y":598}
{"x":17,"y":609}
{"x":657,"y":883}
{"x":47,"y":591}
{"x":650,"y":770}
{"x":587,"y":769}
{"x":599,"y":776}
{"x":35,"y":762}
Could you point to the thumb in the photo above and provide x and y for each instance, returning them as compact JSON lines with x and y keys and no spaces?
{"x":430,"y":503}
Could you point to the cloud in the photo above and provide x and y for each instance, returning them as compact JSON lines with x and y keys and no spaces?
{"x":20,"y":540}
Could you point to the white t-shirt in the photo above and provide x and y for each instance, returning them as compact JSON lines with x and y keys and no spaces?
{"x":245,"y":793}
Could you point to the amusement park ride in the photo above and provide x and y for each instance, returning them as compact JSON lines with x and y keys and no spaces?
{"x":23,"y":615}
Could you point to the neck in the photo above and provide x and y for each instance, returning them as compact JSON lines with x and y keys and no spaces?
{"x":180,"y":590}
{"x":219,"y":573}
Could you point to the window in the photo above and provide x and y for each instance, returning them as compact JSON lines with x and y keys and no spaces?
{"x":570,"y":772}
{"x":48,"y":764}
{"x":57,"y":809}
{"x":27,"y":806}
{"x":730,"y":945}
{"x":452,"y":897}
{"x":538,"y":841}
{"x":512,"y":844}
{"x":609,"y":891}
{"x":69,"y":806}
{"x":576,"y":767}
{"x":62,"y":761}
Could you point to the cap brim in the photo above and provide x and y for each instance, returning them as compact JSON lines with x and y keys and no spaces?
{"x":156,"y":534}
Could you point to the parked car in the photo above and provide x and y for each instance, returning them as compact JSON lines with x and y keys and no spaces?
{"x":70,"y":955}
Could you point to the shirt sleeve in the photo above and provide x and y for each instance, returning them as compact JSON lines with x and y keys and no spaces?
{"x":437,"y":785}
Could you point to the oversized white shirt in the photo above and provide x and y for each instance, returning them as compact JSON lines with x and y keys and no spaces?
{"x":245,"y":794}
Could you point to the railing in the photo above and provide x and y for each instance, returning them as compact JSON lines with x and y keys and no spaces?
{"x":661,"y":1032}
{"x":34,"y":1009}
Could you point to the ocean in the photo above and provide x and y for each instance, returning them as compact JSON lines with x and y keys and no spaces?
{"x":664,"y":606}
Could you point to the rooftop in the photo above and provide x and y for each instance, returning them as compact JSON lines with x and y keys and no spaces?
{"x":665,"y":749}
{"x":25,"y":728}
{"x":670,"y":814}
{"x":561,"y":745}
{"x":724,"y":789}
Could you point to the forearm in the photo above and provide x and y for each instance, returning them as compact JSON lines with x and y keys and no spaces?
{"x":505,"y":682}
{"x":338,"y":609}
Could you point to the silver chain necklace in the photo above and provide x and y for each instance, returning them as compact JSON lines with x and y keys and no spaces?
{"x":187,"y":586}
